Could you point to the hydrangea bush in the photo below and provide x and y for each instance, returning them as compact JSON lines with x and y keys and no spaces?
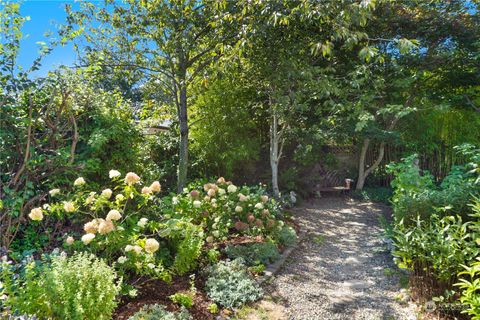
{"x":131,"y":227}
{"x":116,"y":226}
{"x":223,"y":209}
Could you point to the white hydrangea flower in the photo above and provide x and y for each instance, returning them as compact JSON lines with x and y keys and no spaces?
{"x":232,"y":188}
{"x":131,"y":178}
{"x":137,"y":249}
{"x":68,"y":206}
{"x":107,"y":193}
{"x":87,"y":238}
{"x":175,"y":200}
{"x":122,"y":259}
{"x":79,"y":182}
{"x":54,"y":192}
{"x":221,"y":191}
{"x":113,"y":215}
{"x":36,"y":214}
{"x":114,"y":174}
{"x":147,"y":190}
{"x":155,"y":186}
{"x":69,"y":241}
{"x":142,"y":222}
{"x":151,"y":245}
{"x":197,"y":204}
{"x":259,"y":206}
{"x":90,"y":198}
{"x":120,"y":197}
{"x":151,"y":266}
{"x":238,"y":209}
{"x":91,"y":226}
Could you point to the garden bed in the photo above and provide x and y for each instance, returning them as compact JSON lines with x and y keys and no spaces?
{"x":188,"y":256}
{"x":158,"y":291}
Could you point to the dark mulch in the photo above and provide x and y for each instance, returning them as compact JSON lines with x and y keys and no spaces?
{"x":157,"y":291}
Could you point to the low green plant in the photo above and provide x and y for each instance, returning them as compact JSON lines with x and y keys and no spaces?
{"x":229,"y":285}
{"x":81,"y":287}
{"x":287,"y":236}
{"x":258,"y":269}
{"x":213,"y":255}
{"x":22,"y":288}
{"x":184,"y":299}
{"x":157,"y":311}
{"x":254,"y":254}
{"x":213,"y":308}
{"x":318,"y":239}
{"x":469,"y":283}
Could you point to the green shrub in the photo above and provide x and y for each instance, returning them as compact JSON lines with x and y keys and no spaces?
{"x":224,"y":209}
{"x":81,"y":287}
{"x":189,"y":248}
{"x":157,"y":312}
{"x":228,"y":284}
{"x":470,"y":286}
{"x":254,"y":254}
{"x":379,"y":194}
{"x":415,"y":193}
{"x":435,"y":229}
{"x":21,"y":285}
{"x":118,"y":229}
{"x":183,"y":299}
{"x":287,"y":236}
{"x":441,"y":244}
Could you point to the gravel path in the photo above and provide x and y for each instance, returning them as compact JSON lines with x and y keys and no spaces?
{"x":341,"y":270}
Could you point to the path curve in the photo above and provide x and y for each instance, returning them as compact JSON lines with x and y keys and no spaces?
{"x":341,"y":270}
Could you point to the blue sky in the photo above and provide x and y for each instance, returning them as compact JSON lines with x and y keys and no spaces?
{"x":44,"y":16}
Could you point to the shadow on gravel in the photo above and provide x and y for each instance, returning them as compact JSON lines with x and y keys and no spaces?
{"x":338,"y":271}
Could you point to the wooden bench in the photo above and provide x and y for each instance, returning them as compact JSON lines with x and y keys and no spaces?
{"x":330,"y":182}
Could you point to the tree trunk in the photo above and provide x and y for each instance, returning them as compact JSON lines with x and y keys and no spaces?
{"x":361,"y":164}
{"x":274,"y":154}
{"x":183,"y":151}
{"x":362,"y":172}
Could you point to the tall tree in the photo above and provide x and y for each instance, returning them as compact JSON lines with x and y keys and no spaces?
{"x":170,"y":42}
{"x":290,"y":48}
{"x":402,"y":75}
